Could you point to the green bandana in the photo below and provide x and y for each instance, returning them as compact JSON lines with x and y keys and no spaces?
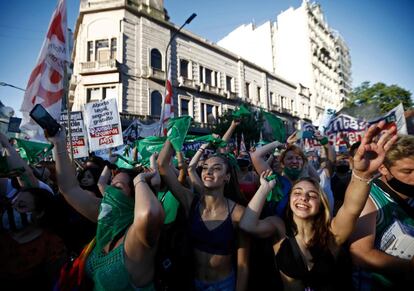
{"x":125,"y":163}
{"x":147,"y":146}
{"x":217,"y":142}
{"x":170,"y":205}
{"x":293,"y":174}
{"x":33,"y":151}
{"x":242,"y":111}
{"x":276,"y":124}
{"x":276,"y":194}
{"x":177,"y":131}
{"x":115,"y":215}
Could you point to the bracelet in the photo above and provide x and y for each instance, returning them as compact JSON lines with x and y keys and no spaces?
{"x":367,"y":181}
{"x":139,"y":181}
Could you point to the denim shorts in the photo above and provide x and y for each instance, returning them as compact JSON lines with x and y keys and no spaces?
{"x":227,"y":284}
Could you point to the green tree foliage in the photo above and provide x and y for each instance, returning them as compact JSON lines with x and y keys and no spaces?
{"x":386,"y":97}
{"x":250,"y":126}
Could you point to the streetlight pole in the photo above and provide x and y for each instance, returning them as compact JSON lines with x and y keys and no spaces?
{"x":10,"y":85}
{"x":166,"y":66}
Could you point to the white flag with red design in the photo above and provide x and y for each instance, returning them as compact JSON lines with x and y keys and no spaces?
{"x":45,"y":85}
{"x":167,"y":108}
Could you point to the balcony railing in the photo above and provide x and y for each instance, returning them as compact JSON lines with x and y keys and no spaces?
{"x":187,"y":83}
{"x":157,"y":74}
{"x":231,"y":95}
{"x":212,"y":90}
{"x":98,"y":66}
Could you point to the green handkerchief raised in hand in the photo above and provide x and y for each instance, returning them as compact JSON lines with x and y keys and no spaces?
{"x":241,"y":112}
{"x":177,"y":131}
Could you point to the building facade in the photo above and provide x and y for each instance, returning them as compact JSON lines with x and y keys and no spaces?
{"x":301,"y":47}
{"x":120,"y":52}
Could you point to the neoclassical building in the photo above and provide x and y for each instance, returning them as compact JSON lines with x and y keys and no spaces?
{"x":120,"y":52}
{"x":301,"y":47}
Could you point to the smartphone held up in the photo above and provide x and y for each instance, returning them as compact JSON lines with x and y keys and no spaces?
{"x":40,"y":115}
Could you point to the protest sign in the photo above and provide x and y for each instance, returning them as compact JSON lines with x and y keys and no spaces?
{"x":103,"y":124}
{"x":394,"y":117}
{"x":344,"y":127}
{"x":78,"y":133}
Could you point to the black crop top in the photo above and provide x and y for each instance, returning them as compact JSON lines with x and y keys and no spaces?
{"x":218,"y":241}
{"x":326,"y":274}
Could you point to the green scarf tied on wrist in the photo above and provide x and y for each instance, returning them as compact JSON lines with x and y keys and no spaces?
{"x":116,"y":213}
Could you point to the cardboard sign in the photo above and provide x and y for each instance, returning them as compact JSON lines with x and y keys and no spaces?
{"x":394,"y":117}
{"x":398,"y":240}
{"x":103,"y":124}
{"x":78,"y":133}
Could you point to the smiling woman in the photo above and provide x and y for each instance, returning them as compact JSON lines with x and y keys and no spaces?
{"x":220,"y":249}
{"x":309,"y":245}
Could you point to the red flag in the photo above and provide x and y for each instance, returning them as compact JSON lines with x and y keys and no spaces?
{"x":167,"y":105}
{"x":45,"y":85}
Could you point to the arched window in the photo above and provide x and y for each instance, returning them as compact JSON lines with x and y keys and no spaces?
{"x":156,"y":60}
{"x":156,"y":102}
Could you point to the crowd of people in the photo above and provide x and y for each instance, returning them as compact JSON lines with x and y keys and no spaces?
{"x":274,"y":217}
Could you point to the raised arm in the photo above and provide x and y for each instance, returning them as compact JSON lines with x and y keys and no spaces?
{"x":104,"y":180}
{"x":227,"y":135}
{"x":148,"y":212}
{"x":251,"y":221}
{"x":81,"y":200}
{"x":258,"y":156}
{"x":27,"y":178}
{"x":192,"y":170}
{"x":328,"y":153}
{"x":368,"y":158}
{"x":183,"y":194}
{"x":182,"y":168}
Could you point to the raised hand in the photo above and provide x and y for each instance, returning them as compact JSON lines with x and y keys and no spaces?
{"x":264,"y":183}
{"x":236,"y":122}
{"x":145,"y":176}
{"x":156,"y":179}
{"x":370,"y":154}
{"x":215,"y":135}
{"x":292,"y":138}
{"x":58,"y":138}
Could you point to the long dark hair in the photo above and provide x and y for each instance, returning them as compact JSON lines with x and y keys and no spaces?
{"x":322,"y":220}
{"x":232,"y":188}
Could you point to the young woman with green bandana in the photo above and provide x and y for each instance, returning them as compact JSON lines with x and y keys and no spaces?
{"x":129,"y":219}
{"x":220,"y":249}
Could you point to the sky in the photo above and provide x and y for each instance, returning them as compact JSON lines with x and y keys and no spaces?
{"x":379,"y":34}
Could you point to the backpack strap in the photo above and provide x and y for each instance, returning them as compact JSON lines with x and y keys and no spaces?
{"x":397,"y":198}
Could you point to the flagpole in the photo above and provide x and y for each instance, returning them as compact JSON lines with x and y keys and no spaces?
{"x":66,"y":90}
{"x":166,"y":65}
